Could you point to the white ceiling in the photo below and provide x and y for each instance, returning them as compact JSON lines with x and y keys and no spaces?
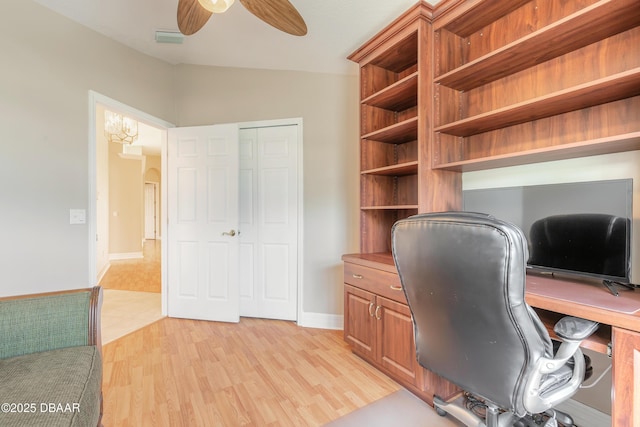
{"x":236,"y":38}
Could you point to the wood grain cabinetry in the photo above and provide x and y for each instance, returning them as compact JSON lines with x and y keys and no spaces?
{"x":626,"y":378}
{"x":395,"y":127}
{"x":473,"y":85}
{"x":380,"y":330}
{"x":378,"y":324}
{"x":536,"y":81}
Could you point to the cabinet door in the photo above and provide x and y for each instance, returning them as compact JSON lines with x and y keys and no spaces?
{"x":359,"y":323}
{"x":397,"y":350}
{"x":626,"y":378}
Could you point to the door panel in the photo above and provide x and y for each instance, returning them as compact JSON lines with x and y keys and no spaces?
{"x":276,"y":278}
{"x":248,"y":223}
{"x":395,"y":335}
{"x":269,"y":212}
{"x":202,"y":212}
{"x":360,"y":324}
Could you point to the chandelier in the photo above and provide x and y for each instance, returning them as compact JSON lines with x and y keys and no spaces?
{"x":119,"y":128}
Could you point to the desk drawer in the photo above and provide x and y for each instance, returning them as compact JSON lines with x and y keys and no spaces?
{"x":378,"y":282}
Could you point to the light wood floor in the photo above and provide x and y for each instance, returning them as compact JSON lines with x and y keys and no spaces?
{"x":142,"y":275}
{"x":178,"y":372}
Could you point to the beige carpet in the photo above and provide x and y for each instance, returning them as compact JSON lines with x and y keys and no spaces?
{"x":126,"y":311}
{"x":398,"y":409}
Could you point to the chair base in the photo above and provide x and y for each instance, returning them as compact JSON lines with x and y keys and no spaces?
{"x":494,"y":417}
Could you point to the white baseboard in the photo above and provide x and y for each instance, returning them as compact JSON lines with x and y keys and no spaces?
{"x":321,"y":321}
{"x":583,"y":415}
{"x":126,"y":255}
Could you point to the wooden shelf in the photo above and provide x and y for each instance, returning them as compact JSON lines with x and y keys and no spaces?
{"x":478,"y":15}
{"x":613,"y":144}
{"x":596,"y":22}
{"x":398,"y":96}
{"x":396,"y":134}
{"x":389,"y":207}
{"x":407,"y":168}
{"x":399,"y":57}
{"x":608,"y":89}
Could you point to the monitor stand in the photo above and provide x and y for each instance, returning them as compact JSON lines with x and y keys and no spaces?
{"x":610,"y":284}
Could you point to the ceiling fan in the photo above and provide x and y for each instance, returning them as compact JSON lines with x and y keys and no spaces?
{"x":193,"y":14}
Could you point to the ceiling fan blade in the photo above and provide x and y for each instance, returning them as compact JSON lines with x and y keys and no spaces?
{"x":278,"y":13}
{"x":191,"y":16}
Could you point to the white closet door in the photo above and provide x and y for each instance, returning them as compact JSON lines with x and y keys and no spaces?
{"x":203,"y":244}
{"x":269,"y":222}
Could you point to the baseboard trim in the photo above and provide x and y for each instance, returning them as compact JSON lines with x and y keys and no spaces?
{"x":583,"y":415}
{"x":125,"y":255}
{"x":321,"y":321}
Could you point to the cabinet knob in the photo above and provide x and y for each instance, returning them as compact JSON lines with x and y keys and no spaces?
{"x":371,"y":309}
{"x":358,"y":276}
{"x":395,"y":288}
{"x":378,"y":312}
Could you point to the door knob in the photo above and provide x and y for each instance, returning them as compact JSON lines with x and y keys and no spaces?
{"x":229,"y":233}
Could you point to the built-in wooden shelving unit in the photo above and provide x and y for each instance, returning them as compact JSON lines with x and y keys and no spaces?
{"x":473,"y":85}
{"x":535,"y":82}
{"x":566,"y":35}
{"x":608,"y":89}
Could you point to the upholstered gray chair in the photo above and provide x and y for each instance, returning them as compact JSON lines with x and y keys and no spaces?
{"x":463,"y":275}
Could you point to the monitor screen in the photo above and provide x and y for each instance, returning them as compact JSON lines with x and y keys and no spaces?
{"x":581,"y":228}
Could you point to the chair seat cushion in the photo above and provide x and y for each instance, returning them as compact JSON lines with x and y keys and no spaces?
{"x":53,"y":388}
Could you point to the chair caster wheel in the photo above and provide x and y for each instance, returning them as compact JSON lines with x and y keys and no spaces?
{"x":441,"y":412}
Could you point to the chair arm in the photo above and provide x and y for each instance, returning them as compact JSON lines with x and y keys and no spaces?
{"x":571,"y":328}
{"x":41,"y":322}
{"x":572,"y":331}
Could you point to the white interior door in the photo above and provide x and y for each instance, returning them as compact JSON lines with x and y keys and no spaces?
{"x":203,"y":244}
{"x":150,"y":208}
{"x":269,"y":222}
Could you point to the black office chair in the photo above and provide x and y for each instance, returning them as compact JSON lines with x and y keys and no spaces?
{"x":463,"y":275}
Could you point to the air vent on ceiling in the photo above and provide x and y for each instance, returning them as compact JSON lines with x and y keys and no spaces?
{"x":174,"y":37}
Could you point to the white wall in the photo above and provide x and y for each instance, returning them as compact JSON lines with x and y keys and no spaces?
{"x":49,"y":65}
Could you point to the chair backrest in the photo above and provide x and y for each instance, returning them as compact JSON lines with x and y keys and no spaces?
{"x":463,"y":275}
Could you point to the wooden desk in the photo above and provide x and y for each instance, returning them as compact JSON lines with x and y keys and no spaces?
{"x":619,"y":333}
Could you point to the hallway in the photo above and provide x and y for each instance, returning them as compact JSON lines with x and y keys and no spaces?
{"x":140,"y":275}
{"x":132,"y":296}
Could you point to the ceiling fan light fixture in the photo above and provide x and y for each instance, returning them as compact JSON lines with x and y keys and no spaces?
{"x":216,"y":6}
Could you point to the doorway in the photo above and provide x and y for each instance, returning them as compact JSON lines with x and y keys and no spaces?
{"x":96,"y":100}
{"x":122,"y":258}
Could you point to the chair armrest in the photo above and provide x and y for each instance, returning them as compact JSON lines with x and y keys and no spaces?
{"x":571,"y":328}
{"x":41,"y":322}
{"x":572,"y":331}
